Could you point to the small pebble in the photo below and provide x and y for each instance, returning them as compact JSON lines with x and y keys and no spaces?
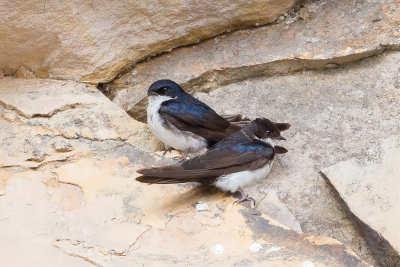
{"x":201,"y":206}
{"x":255,"y":247}
{"x":218,"y":249}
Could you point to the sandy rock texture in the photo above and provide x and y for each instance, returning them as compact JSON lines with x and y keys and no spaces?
{"x":336,"y":115}
{"x":369,"y":185}
{"x":43,"y":120}
{"x":322,"y":34}
{"x":93,"y":41}
{"x":68,"y":195}
{"x":73,"y":132}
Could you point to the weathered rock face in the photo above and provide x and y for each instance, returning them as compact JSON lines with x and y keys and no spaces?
{"x":40,"y":118}
{"x":370,"y":185}
{"x":69,"y":157}
{"x":335,"y":115}
{"x":93,"y":41}
{"x":321,"y":35}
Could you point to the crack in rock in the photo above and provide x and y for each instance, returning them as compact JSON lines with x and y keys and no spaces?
{"x":383,"y":252}
{"x":137,"y":239}
{"x":44,"y":115}
{"x":216,"y":78}
{"x":99,"y":249}
{"x":75,"y":254}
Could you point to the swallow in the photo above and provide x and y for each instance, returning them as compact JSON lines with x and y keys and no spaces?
{"x":184,"y":123}
{"x":239,"y":160}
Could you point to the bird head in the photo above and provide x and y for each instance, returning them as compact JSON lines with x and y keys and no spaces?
{"x":263,"y":128}
{"x":165,"y":88}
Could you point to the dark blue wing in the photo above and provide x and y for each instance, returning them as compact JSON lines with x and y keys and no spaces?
{"x":240,"y":154}
{"x":185,"y":115}
{"x":216,"y":162}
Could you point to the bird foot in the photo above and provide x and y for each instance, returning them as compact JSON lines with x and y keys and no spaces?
{"x":182,"y":158}
{"x":244,"y":197}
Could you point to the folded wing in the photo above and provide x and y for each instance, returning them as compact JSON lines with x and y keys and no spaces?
{"x":193,"y":114}
{"x":213,"y":164}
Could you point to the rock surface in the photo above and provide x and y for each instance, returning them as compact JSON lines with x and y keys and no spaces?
{"x":370,"y":185}
{"x":94,"y":41}
{"x":68,"y":155}
{"x":68,"y":195}
{"x":42,"y":119}
{"x":335,"y":115}
{"x":323,"y":34}
{"x":278,"y":211}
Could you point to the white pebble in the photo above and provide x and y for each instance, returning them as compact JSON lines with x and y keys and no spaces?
{"x":308,"y":264}
{"x":218,"y":249}
{"x":201,"y":206}
{"x":272,"y":249}
{"x":255,"y":247}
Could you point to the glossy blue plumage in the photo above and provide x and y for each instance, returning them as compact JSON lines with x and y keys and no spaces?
{"x":193,"y":114}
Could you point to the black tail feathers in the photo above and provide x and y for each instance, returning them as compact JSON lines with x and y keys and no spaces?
{"x":280,"y":150}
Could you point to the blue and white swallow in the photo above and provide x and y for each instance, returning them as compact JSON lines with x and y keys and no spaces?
{"x":233,"y":163}
{"x":182,"y":122}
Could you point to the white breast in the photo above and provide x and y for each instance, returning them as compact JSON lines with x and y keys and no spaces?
{"x":171,"y":136}
{"x":231,"y":182}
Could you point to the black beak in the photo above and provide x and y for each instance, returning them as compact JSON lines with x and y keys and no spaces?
{"x":151,"y":93}
{"x":281,"y":138}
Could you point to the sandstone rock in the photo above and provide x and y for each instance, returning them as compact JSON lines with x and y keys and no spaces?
{"x":94,"y":41}
{"x":277,"y":210}
{"x":38,"y":116}
{"x":42,"y":73}
{"x":335,"y":114}
{"x":62,"y":146}
{"x":96,"y":212}
{"x":332,"y":34}
{"x":83,"y":207}
{"x":369,"y":185}
{"x":23,"y":72}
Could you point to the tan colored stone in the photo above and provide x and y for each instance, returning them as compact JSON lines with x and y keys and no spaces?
{"x":277,"y":210}
{"x":42,"y":73}
{"x":335,"y":114}
{"x":99,"y":214}
{"x":35,"y":114}
{"x":9,"y":71}
{"x":83,"y":206}
{"x":23,"y":72}
{"x":370,"y":186}
{"x":335,"y":33}
{"x":96,"y":40}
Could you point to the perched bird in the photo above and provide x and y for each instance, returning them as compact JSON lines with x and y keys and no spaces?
{"x":238,"y":160}
{"x":182,"y":122}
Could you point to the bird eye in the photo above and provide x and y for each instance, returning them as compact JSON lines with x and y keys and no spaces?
{"x":268,"y":132}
